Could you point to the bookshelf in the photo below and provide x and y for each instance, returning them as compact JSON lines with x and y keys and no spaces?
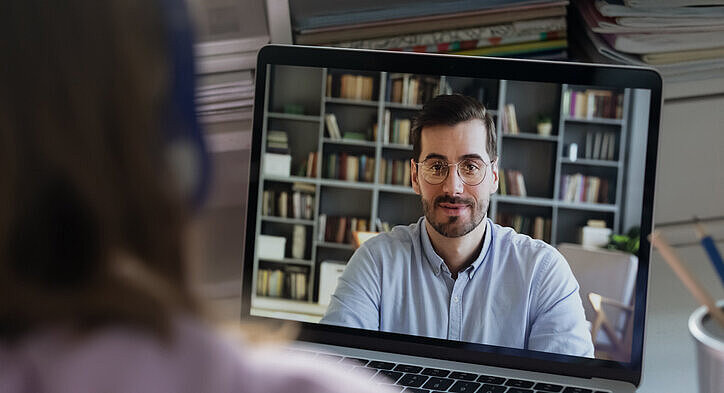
{"x":542,"y":160}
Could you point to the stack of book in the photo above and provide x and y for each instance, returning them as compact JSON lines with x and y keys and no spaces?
{"x":395,"y":130}
{"x":309,"y":167}
{"x":348,"y":167}
{"x":600,"y":145}
{"x":536,"y":227}
{"x":350,"y":86}
{"x":580,"y":188}
{"x":683,"y":39}
{"x":511,"y":182}
{"x":395,"y":172}
{"x":509,"y":122}
{"x":521,"y":28}
{"x":227,"y":101}
{"x":336,"y":229}
{"x":277,"y":142}
{"x":410,"y":89}
{"x":592,"y":103}
{"x":297,"y":204}
{"x":290,"y":283}
{"x":225,"y":52}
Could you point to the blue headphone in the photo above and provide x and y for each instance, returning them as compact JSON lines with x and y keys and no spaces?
{"x":184,"y":148}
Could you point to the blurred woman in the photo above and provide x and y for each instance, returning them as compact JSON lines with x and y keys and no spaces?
{"x":94,"y":285}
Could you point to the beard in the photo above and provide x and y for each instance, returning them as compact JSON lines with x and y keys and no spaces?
{"x":455,"y":226}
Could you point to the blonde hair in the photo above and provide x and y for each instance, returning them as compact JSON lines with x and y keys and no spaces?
{"x":91,"y":227}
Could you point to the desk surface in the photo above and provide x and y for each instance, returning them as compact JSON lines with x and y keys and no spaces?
{"x":669,"y":351}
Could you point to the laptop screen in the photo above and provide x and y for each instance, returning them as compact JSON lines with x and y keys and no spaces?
{"x":498,"y":206}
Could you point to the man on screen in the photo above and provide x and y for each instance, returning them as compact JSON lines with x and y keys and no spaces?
{"x":455,"y":274}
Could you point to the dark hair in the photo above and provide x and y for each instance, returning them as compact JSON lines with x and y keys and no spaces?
{"x":91,"y":226}
{"x":450,"y":110}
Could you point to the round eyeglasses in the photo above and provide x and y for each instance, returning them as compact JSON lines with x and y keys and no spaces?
{"x":471,"y":170}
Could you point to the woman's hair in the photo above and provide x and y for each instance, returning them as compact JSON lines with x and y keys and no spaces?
{"x":91,"y":224}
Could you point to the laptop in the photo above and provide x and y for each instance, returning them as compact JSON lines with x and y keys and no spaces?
{"x":330,"y":179}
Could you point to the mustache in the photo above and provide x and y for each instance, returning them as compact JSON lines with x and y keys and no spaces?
{"x":453,"y":200}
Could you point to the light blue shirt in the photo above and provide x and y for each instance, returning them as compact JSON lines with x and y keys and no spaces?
{"x":518,"y":293}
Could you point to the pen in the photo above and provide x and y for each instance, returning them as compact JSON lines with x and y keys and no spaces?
{"x":686,"y":277}
{"x":708,"y":243}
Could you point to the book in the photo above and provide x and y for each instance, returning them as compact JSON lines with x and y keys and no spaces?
{"x":501,"y":182}
{"x":604,"y":146}
{"x":611,"y":147}
{"x":299,"y":241}
{"x":597,"y":146}
{"x":351,"y":86}
{"x":441,"y":21}
{"x":589,"y":145}
{"x":474,"y":37}
{"x":580,"y":188}
{"x":322,"y":230}
{"x":510,"y":123}
{"x":332,"y":126}
{"x":521,"y":184}
{"x":282,"y":203}
{"x":512,"y":49}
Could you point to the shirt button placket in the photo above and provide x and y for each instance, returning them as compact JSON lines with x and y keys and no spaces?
{"x":456,"y":311}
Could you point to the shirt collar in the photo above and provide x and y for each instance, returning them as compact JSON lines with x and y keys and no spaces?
{"x":436,"y":262}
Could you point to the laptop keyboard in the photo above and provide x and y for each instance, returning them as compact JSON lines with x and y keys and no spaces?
{"x":409,"y":378}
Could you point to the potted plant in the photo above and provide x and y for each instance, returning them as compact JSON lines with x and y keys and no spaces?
{"x":544,"y":125}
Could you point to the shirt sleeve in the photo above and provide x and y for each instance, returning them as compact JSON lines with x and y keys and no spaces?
{"x":355,"y":303}
{"x":558,"y":322}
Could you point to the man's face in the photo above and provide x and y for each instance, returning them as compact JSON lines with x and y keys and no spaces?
{"x":453,"y":207}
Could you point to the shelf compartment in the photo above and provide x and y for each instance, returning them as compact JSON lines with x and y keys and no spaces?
{"x":570,"y":222}
{"x":399,"y":208}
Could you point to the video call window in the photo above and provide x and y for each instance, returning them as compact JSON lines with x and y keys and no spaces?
{"x":336,"y":172}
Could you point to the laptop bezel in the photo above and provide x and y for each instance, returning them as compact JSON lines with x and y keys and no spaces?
{"x":489,"y":68}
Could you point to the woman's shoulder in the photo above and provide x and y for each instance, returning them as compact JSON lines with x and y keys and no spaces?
{"x":197,"y":359}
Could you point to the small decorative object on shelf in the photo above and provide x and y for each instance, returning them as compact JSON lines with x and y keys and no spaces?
{"x":573,"y":152}
{"x":544,"y":125}
{"x":595,"y":233}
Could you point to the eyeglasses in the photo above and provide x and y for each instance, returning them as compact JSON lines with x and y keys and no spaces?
{"x":472,"y":171}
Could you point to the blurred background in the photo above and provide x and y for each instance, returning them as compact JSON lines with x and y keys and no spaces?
{"x":686,"y":45}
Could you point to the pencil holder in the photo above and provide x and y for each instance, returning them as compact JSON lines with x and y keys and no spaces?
{"x":709,"y":338}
